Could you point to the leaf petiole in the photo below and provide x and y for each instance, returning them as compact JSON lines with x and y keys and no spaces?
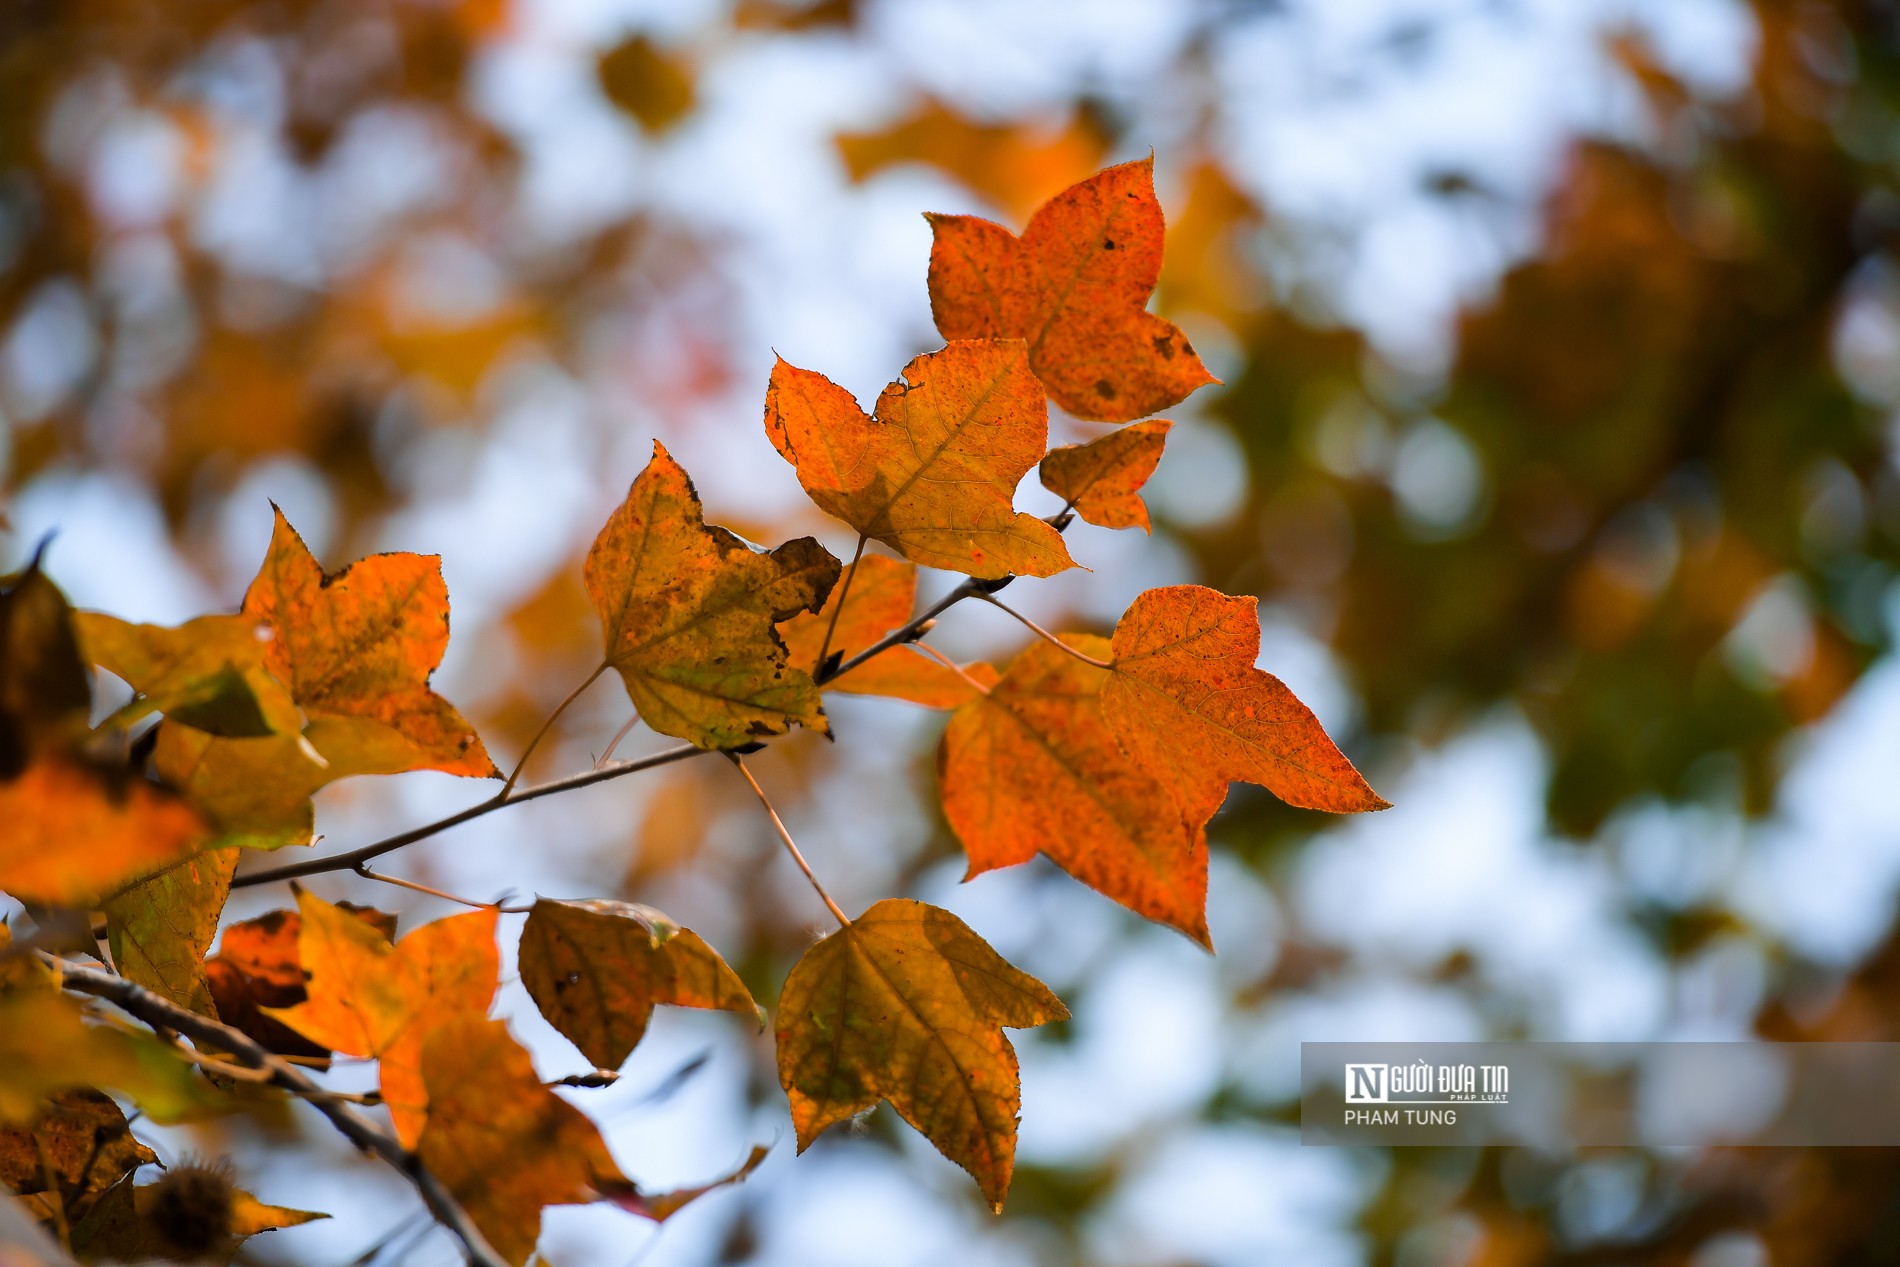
{"x":1042,"y":633}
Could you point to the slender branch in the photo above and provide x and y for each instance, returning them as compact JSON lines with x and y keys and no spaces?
{"x":613,"y":743}
{"x":844,"y":592}
{"x":349,"y":861}
{"x":597,"y":1078}
{"x":1044,"y":634}
{"x":359,"y":1130}
{"x":925,"y":649}
{"x":546,"y":726}
{"x":790,"y":844}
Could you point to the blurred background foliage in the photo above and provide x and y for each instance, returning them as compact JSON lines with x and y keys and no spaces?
{"x":1561,"y":348}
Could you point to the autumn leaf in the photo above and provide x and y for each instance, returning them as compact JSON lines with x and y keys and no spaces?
{"x":905,"y":1004}
{"x":1034,"y":767}
{"x":76,"y":828}
{"x":45,"y":691}
{"x":687,"y":612}
{"x":357,"y":648}
{"x":1076,"y":287}
{"x":661,"y":1206}
{"x":256,"y":792}
{"x":597,"y":968}
{"x":370,"y":998}
{"x":933,"y":472}
{"x":160,"y":928}
{"x":1102,"y":479}
{"x":879,"y":595}
{"x":1185,"y":696}
{"x":74,"y":833}
{"x":258,"y":966}
{"x":501,"y":1143}
{"x":653,"y":85}
{"x":46,"y":1046}
{"x":81,"y":1137}
{"x":207,"y":673}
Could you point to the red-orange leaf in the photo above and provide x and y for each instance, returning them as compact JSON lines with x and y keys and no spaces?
{"x":357,"y":648}
{"x":1076,"y":287}
{"x":686,"y":613}
{"x":369,"y":998}
{"x":1102,"y":479}
{"x":258,"y":966}
{"x":933,"y":472}
{"x":879,"y":595}
{"x":1185,"y":696}
{"x":1033,"y":767}
{"x":907,"y":1004}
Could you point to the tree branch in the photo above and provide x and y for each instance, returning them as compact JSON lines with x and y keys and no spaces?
{"x":359,"y":1130}
{"x":349,"y":861}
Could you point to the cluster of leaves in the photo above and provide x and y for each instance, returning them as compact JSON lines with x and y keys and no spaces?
{"x":1108,"y":755}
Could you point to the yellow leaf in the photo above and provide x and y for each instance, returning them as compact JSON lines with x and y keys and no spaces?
{"x":686,"y":613}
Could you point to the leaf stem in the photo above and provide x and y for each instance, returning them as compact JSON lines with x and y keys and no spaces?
{"x":790,"y":844}
{"x":348,"y":861}
{"x":359,"y":1130}
{"x":924,"y":648}
{"x":548,"y":725}
{"x":844,"y":592}
{"x":1044,"y":634}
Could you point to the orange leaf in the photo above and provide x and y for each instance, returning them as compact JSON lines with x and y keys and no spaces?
{"x":357,"y":648}
{"x":502,"y":1144}
{"x":879,"y":595}
{"x":597,"y":968}
{"x":1102,"y":479}
{"x":933,"y":473}
{"x":1076,"y":286}
{"x":369,"y":998}
{"x":1033,"y":766}
{"x":906,"y":1004}
{"x":686,"y":613}
{"x":1185,"y":696}
{"x":74,"y":834}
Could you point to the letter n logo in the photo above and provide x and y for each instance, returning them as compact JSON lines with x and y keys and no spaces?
{"x":1365,"y":1084}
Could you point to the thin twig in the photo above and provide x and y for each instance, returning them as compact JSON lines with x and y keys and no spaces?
{"x":598,"y":1078}
{"x":1044,"y":634}
{"x":613,"y":743}
{"x":925,"y":649}
{"x":790,"y":844}
{"x":359,"y":1130}
{"x":362,"y":869}
{"x":844,"y":591}
{"x":348,"y":861}
{"x":515,"y":774}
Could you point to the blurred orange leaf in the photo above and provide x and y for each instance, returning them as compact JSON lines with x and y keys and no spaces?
{"x":75,"y":833}
{"x":1076,"y":286}
{"x":687,"y":610}
{"x":370,"y":998}
{"x":1007,"y":163}
{"x":906,"y":1004}
{"x":933,"y":473}
{"x":501,"y":1143}
{"x":654,"y":86}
